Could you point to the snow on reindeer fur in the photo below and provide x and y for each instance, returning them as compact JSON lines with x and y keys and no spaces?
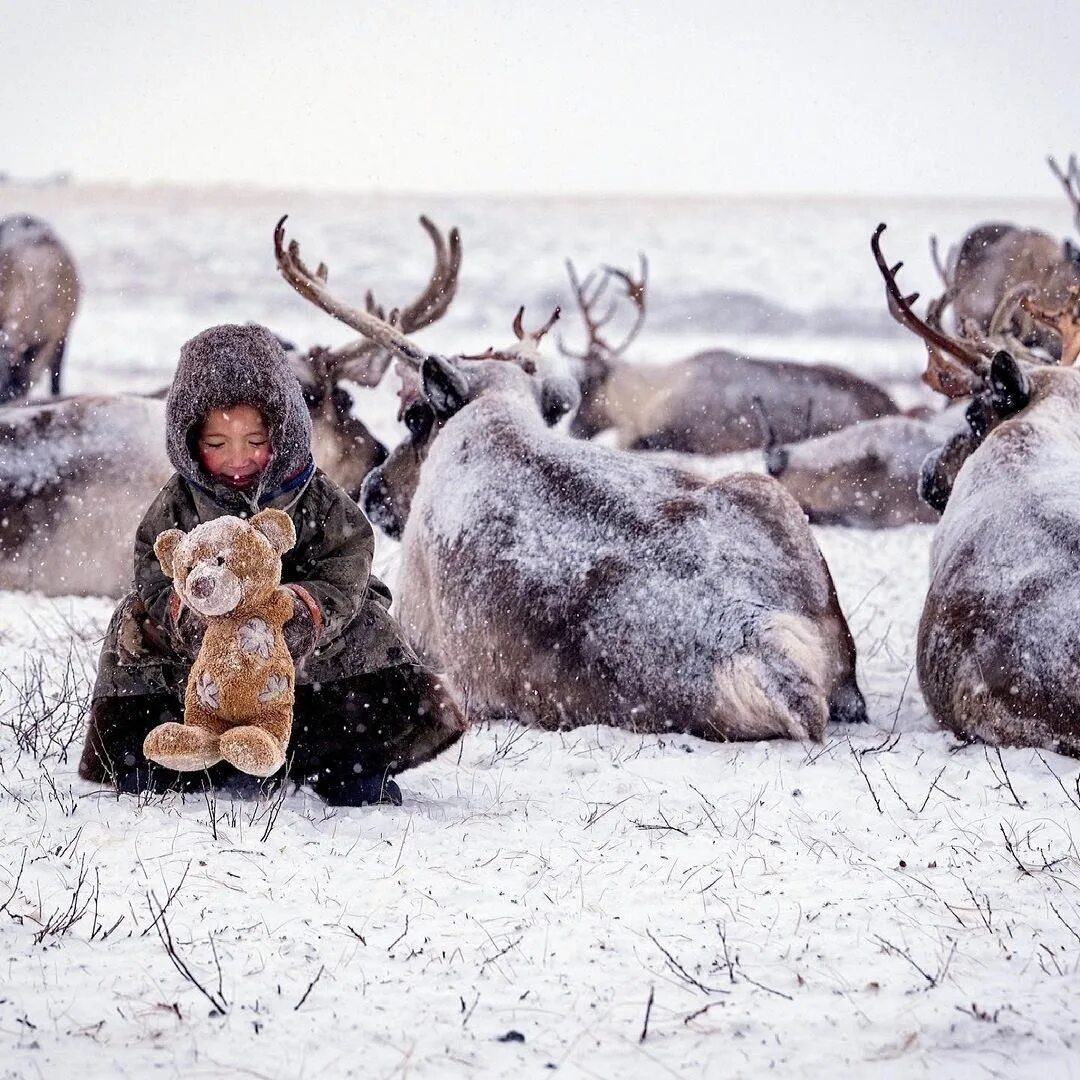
{"x":1000,"y":632}
{"x":677,"y":602}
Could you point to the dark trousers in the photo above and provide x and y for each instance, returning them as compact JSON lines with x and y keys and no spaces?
{"x":344,"y":733}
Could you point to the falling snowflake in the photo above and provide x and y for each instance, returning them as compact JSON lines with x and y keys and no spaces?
{"x":207,"y":691}
{"x":276,"y":685}
{"x":256,"y":638}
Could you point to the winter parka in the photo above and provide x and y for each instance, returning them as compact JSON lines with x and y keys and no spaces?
{"x":331,"y":562}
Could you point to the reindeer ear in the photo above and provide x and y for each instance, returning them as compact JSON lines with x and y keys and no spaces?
{"x":1009,"y":385}
{"x":558,"y":396}
{"x":277,"y":527}
{"x":444,"y":387}
{"x":165,"y":547}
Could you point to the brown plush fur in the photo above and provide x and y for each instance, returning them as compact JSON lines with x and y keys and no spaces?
{"x":239,"y":701}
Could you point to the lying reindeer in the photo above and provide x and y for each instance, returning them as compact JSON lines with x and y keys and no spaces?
{"x":996,"y":258}
{"x":704,"y":404}
{"x":997,"y":639}
{"x":564,"y":583}
{"x":77,"y":474}
{"x":39,"y":292}
{"x":867,"y":475}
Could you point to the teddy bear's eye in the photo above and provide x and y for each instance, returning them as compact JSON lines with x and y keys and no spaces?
{"x":221,"y":560}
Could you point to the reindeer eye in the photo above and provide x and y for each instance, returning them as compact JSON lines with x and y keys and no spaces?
{"x":418,"y":419}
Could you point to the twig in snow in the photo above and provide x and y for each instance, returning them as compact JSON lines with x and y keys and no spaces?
{"x":1064,"y":923}
{"x":1012,"y":851}
{"x":1003,"y":779}
{"x":62,"y":920}
{"x":274,"y":808}
{"x":666,"y":827}
{"x":1060,"y":783}
{"x":210,"y":795}
{"x":896,"y":950}
{"x":467,"y":1014}
{"x":886,"y":746}
{"x":170,"y":896}
{"x":679,"y":970}
{"x":648,"y":1013}
{"x":400,"y":936}
{"x":311,"y":986}
{"x":218,"y":1001}
{"x":595,"y":814}
{"x":704,"y":1009}
{"x":988,"y":916}
{"x":502,"y":952}
{"x":858,"y":762}
{"x":895,"y":792}
{"x":15,"y":884}
{"x":930,"y":789}
{"x":733,"y":966}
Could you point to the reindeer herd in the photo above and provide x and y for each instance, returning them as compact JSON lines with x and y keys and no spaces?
{"x":561,"y":580}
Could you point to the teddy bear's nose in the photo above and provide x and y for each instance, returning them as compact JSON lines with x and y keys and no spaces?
{"x":201,"y":588}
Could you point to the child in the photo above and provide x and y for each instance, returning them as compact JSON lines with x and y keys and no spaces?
{"x":239,"y":436}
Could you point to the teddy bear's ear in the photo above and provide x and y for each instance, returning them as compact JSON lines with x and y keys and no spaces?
{"x":277,"y":527}
{"x":165,"y":547}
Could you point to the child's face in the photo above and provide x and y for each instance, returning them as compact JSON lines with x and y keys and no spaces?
{"x":234,"y":445}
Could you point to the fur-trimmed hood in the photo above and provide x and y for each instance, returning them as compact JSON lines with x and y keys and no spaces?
{"x":238,"y":365}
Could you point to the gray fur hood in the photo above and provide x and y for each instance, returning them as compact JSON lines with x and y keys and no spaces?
{"x":238,"y":365}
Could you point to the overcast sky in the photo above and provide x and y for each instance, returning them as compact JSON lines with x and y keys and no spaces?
{"x":770,"y":97}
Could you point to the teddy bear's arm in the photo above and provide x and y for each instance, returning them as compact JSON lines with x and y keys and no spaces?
{"x":279,"y":608}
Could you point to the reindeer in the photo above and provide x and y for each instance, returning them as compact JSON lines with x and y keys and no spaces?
{"x":997,"y":639}
{"x":565,"y":583}
{"x":388,"y":489}
{"x":703,"y":404}
{"x":867,"y":475}
{"x":871,"y":475}
{"x":77,"y":473}
{"x":996,"y":258}
{"x":39,"y":292}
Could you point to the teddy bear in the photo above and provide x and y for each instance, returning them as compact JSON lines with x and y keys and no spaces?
{"x":238,"y":703}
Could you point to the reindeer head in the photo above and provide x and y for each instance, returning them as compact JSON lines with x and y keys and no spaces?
{"x":1001,"y":383}
{"x":599,"y":356}
{"x":445,"y":386}
{"x":342,"y":444}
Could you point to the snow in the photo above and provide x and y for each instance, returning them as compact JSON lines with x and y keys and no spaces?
{"x":778,"y":903}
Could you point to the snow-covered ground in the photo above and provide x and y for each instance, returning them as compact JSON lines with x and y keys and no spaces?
{"x":591,"y":902}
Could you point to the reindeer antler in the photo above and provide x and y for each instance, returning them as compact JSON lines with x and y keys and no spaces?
{"x":588,"y":295}
{"x":364,"y":361}
{"x":523,"y":354}
{"x":312,"y":286}
{"x":1070,"y":181}
{"x":954,"y":369}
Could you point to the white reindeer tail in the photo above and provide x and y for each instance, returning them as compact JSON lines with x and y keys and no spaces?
{"x":776,"y":688}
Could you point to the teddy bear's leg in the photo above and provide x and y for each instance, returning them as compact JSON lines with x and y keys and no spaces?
{"x":182,"y":747}
{"x":252,"y":750}
{"x":190,"y":746}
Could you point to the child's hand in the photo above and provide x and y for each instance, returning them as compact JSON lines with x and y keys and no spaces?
{"x":300,"y":632}
{"x":188,"y":631}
